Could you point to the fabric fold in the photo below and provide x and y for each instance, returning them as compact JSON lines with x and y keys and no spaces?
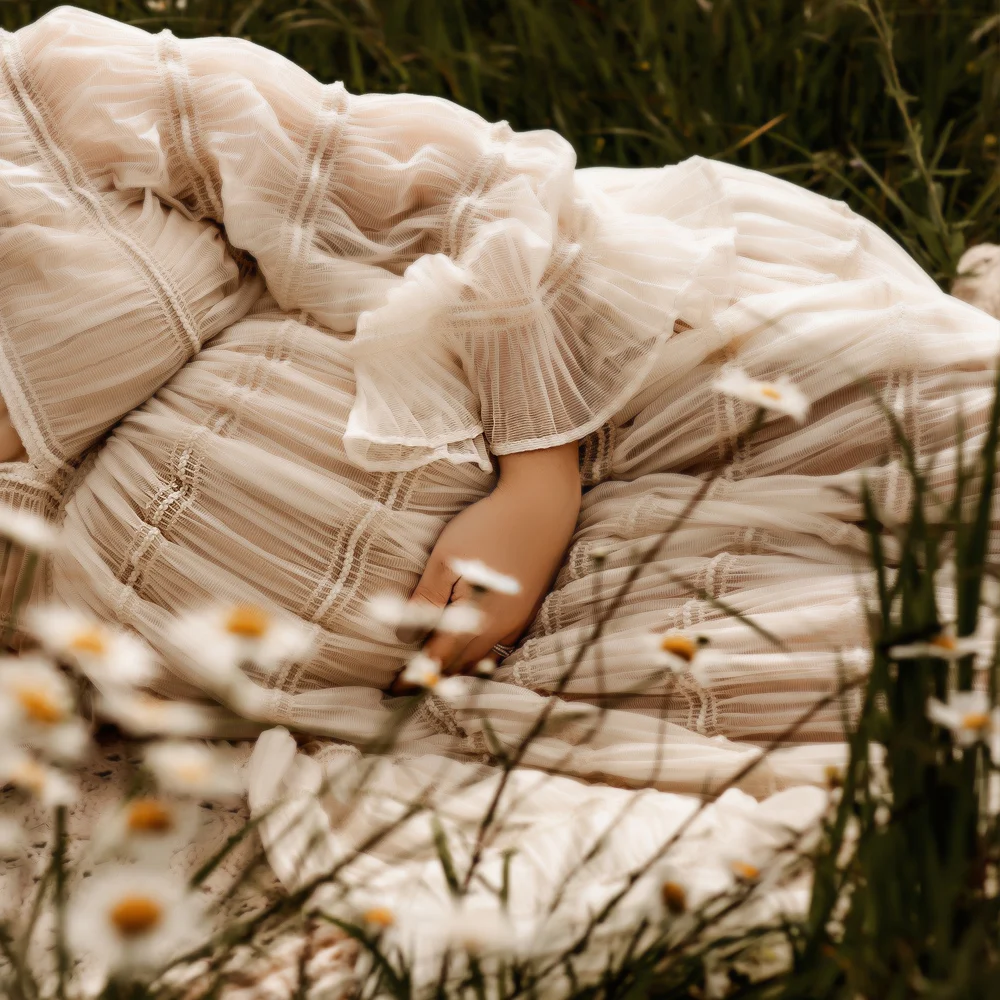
{"x":514,"y":348}
{"x":492,"y":300}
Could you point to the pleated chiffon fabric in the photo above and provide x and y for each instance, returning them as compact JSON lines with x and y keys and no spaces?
{"x":261,"y":338}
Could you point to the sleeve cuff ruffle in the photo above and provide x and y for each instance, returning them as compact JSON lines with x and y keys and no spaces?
{"x":504,"y":349}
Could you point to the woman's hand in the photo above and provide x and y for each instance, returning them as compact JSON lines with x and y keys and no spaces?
{"x":522,"y":529}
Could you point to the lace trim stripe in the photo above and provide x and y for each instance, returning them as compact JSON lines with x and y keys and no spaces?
{"x":183,"y":123}
{"x":78,"y":186}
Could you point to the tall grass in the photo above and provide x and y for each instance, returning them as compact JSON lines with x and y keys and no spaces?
{"x":893,"y":106}
{"x":802,"y":89}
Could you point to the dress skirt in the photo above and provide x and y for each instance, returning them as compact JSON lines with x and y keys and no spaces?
{"x":233,"y":481}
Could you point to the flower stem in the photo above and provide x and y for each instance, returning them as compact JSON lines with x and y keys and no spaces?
{"x":59,"y":871}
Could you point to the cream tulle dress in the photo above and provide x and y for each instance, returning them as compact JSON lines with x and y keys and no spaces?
{"x":261,"y":337}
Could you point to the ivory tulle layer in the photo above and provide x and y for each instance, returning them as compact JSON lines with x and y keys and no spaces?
{"x":432,"y":288}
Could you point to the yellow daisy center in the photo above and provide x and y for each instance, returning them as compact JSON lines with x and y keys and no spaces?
{"x":380,"y":916}
{"x":149,"y":816}
{"x":944,"y":641}
{"x":248,"y":621}
{"x":748,"y":872}
{"x":834,"y":776}
{"x":680,"y":646}
{"x":975,"y":720}
{"x":39,"y":706}
{"x":90,"y":640}
{"x":769,"y":392}
{"x":674,"y":897}
{"x":133,"y":916}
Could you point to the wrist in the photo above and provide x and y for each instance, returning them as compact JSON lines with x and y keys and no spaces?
{"x":560,"y":462}
{"x":544,"y":486}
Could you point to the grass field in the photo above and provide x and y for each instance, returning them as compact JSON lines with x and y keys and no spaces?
{"x":893,"y":105}
{"x":801,"y":88}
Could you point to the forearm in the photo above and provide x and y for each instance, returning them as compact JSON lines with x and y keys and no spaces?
{"x":546,"y":484}
{"x":551,"y":472}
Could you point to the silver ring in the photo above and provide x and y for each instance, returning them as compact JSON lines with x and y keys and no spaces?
{"x":501,"y":650}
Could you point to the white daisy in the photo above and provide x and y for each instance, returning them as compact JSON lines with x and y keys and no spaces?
{"x":131,"y":919}
{"x":142,"y":714}
{"x":685,"y":890}
{"x":50,"y":786}
{"x":780,"y":396}
{"x":480,"y":576}
{"x":106,"y":655}
{"x":485,"y":667}
{"x":147,"y":827}
{"x":944,"y":646}
{"x":423,"y":670}
{"x":478,"y":929}
{"x":966,"y":713}
{"x":220,"y":639}
{"x":399,"y":613}
{"x":680,"y":651}
{"x":368,"y":910}
{"x":451,"y":689}
{"x":377,"y":919}
{"x":461,"y":618}
{"x":37,"y":708}
{"x":28,"y":530}
{"x":193,"y":770}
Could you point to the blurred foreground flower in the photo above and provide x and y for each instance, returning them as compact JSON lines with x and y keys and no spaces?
{"x":193,"y":770}
{"x":478,"y":929}
{"x":223,"y":638}
{"x":27,"y":530}
{"x":966,"y":713}
{"x":485,"y":667}
{"x":147,"y":828}
{"x":37,"y":708}
{"x":145,"y":715}
{"x":105,"y":655}
{"x":461,"y":617}
{"x":978,"y":278}
{"x":132,"y":919}
{"x":47,"y":784}
{"x":479,"y":576}
{"x":679,"y":651}
{"x":378,"y":918}
{"x":686,"y":890}
{"x":400,"y":613}
{"x":422,"y":616}
{"x":780,"y":396}
{"x":451,"y":689}
{"x":421,"y":669}
{"x":944,"y":646}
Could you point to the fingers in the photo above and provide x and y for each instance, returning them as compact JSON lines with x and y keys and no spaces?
{"x":434,"y":589}
{"x":479,"y":648}
{"x":446,"y":648}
